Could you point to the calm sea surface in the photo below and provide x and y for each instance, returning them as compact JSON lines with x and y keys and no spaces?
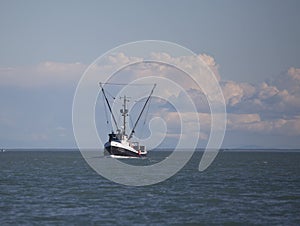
{"x":239,"y":188}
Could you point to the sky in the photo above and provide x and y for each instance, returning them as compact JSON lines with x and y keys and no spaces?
{"x":45,"y":46}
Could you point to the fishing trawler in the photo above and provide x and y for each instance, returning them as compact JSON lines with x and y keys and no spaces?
{"x":119,"y":143}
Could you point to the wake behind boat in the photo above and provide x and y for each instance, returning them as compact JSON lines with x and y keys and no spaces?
{"x":119,"y":144}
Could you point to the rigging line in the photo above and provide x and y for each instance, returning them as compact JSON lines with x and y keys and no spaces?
{"x":145,"y":119}
{"x":139,"y":94}
{"x":132,"y":131}
{"x":147,"y":111}
{"x":131,"y":123}
{"x":112,"y":96}
{"x":109,"y":125}
{"x":105,"y":110}
{"x":109,"y":106}
{"x":126,"y":84}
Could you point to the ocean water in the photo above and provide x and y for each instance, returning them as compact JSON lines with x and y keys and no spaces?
{"x":239,"y":188}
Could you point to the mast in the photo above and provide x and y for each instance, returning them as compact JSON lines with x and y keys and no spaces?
{"x":124,"y":113}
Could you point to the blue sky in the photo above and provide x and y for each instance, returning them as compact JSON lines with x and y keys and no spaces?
{"x":46,"y":45}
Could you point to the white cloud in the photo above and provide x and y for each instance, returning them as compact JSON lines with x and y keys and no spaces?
{"x":272,"y":107}
{"x":266,"y":91}
{"x":280,"y":96}
{"x":49,"y":72}
{"x":181,"y":62}
{"x":252,"y":123}
{"x":236,"y":119}
{"x":242,"y":123}
{"x":44,"y":74}
{"x":288,"y":81}
{"x":210,"y":61}
{"x":235,"y":92}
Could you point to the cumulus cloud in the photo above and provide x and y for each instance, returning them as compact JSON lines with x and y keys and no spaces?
{"x":288,"y":81}
{"x":210,"y":61}
{"x":279,"y":96}
{"x":235,"y":93}
{"x":43,"y":74}
{"x":254,"y":124}
{"x":50,"y":72}
{"x":271,"y":107}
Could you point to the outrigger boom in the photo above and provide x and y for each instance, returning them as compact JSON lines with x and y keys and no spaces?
{"x":119,"y":143}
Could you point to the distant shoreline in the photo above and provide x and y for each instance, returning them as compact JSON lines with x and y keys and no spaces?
{"x":158,"y":149}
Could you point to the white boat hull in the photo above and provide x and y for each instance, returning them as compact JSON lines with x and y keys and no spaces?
{"x":119,"y":149}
